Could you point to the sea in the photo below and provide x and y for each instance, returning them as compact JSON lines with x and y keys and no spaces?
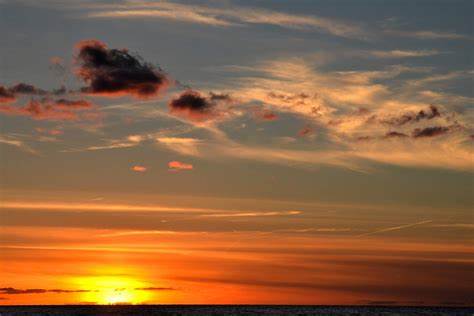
{"x":230,"y":310}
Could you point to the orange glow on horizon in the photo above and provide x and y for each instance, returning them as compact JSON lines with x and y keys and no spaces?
{"x":113,"y":287}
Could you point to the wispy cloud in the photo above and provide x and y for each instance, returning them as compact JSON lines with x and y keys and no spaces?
{"x":314,"y":230}
{"x":352,"y":108}
{"x":455,"y":225}
{"x":112,"y":145}
{"x":360,"y":126}
{"x":134,"y":140}
{"x":131,"y":208}
{"x":12,"y":141}
{"x":226,"y":16}
{"x":174,"y":14}
{"x":428,"y":34}
{"x":142,"y":232}
{"x":182,"y":145}
{"x":403,"y":53}
{"x":253,"y":214}
{"x":99,"y":207}
{"x":395,"y":228}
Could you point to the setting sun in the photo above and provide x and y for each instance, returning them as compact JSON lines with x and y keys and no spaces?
{"x":112,"y":290}
{"x":118,"y":296}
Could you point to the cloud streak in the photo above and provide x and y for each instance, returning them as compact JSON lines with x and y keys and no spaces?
{"x":14,"y":291}
{"x":12,"y":141}
{"x":395,"y":228}
{"x":403,"y":53}
{"x":227,"y":16}
{"x":253,"y":214}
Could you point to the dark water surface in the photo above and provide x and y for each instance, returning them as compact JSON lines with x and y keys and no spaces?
{"x":229,"y":310}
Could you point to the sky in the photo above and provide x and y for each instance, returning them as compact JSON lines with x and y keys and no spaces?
{"x":236,"y":152}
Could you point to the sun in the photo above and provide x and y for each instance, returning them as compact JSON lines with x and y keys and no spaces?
{"x":119,"y":296}
{"x":112,"y":290}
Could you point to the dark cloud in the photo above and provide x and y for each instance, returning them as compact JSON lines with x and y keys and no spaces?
{"x":417,"y":132}
{"x":411,"y":117}
{"x":60,"y":91}
{"x":394,"y":134}
{"x":192,"y":101}
{"x":14,"y":291}
{"x":6,"y":95}
{"x":24,"y":88}
{"x":9,"y":94}
{"x":195,"y":106}
{"x":115,"y":72}
{"x":430,"y":131}
{"x":364,"y":138}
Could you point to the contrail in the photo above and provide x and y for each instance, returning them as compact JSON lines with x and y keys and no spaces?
{"x":394,"y":228}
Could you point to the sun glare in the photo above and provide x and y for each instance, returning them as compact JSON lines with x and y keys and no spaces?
{"x":116,"y":289}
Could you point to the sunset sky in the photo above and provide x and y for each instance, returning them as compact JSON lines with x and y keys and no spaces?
{"x":236,"y":152}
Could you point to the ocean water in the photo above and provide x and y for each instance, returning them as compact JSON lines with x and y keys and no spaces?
{"x":230,"y":310}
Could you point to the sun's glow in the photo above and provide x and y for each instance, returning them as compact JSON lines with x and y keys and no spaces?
{"x":113,"y":289}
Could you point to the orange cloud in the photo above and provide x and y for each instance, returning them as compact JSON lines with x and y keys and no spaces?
{"x":177,"y":165}
{"x":58,"y":110}
{"x":40,"y":111}
{"x":76,"y":104}
{"x":138,"y":168}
